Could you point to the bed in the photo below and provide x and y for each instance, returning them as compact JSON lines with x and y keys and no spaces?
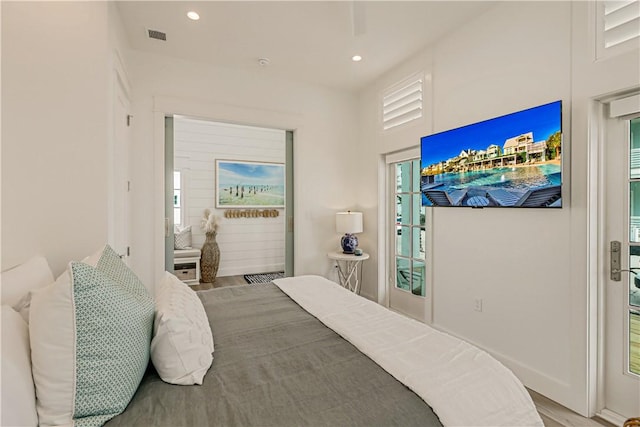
{"x":94,"y":347}
{"x":277,"y":362}
{"x":276,"y":365}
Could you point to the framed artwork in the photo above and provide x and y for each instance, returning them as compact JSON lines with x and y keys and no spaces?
{"x":242,"y":184}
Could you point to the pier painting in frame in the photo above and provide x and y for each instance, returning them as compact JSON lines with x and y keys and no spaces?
{"x":247,"y":184}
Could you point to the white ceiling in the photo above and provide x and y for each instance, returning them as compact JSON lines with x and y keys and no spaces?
{"x":311,"y":41}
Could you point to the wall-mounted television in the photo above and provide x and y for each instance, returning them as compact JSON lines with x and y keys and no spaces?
{"x":508,"y":161}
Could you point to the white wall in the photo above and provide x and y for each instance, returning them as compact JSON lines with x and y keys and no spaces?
{"x":247,"y":245}
{"x":518,"y":261}
{"x":325,"y":131}
{"x":55,"y":80}
{"x":529,"y":266}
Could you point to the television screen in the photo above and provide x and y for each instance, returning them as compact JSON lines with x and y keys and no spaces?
{"x":509,"y":161}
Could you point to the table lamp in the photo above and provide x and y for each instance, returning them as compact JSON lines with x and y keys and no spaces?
{"x":349,"y":223}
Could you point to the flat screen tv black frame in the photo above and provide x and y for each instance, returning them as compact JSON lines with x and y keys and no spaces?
{"x":511,"y":161}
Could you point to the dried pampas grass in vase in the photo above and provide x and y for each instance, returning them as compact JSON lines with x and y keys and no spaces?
{"x":209,"y":222}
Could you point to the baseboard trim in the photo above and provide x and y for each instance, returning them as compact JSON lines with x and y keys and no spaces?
{"x":556,"y":389}
{"x":612,"y":417}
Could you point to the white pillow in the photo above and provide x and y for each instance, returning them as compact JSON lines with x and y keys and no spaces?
{"x":182,"y":237}
{"x":182,"y":344}
{"x":18,"y":281}
{"x":18,"y":392}
{"x":90,"y":333}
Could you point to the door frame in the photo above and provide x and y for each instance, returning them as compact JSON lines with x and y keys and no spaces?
{"x":169,"y":106}
{"x":169,"y":159}
{"x":598,"y":254}
{"x":120,"y":87}
{"x":386,"y":244}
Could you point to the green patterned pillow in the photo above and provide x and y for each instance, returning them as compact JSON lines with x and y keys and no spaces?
{"x":90,"y":342}
{"x":112,"y":265}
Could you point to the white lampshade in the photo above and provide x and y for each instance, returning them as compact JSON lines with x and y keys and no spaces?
{"x":349,"y":222}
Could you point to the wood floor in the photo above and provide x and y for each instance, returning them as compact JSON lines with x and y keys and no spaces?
{"x":220,"y":283}
{"x":552,"y":413}
{"x":555,"y":415}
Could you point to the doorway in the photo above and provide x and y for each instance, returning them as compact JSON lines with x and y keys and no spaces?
{"x":255,"y":215}
{"x":619,"y":200}
{"x":407,"y":237}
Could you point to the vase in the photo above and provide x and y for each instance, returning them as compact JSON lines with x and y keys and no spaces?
{"x":209,"y":259}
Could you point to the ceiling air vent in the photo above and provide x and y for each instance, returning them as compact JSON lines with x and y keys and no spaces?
{"x":158,"y":35}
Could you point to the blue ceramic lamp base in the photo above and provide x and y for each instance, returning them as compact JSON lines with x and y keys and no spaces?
{"x":349,"y":243}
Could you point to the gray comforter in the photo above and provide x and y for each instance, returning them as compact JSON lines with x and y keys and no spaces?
{"x":276,"y":365}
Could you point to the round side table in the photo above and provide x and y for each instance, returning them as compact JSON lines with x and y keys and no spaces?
{"x":348,"y":268}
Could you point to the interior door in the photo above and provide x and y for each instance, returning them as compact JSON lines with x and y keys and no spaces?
{"x":192,"y":146}
{"x":119,"y":236}
{"x":621,"y":207}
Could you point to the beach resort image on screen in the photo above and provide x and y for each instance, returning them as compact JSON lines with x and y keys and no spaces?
{"x":509,"y":161}
{"x":249,"y":184}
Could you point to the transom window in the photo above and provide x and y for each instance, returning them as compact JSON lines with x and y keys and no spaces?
{"x":617,"y":26}
{"x":403,"y":102}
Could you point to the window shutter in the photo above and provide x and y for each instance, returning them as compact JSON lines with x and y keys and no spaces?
{"x":402,"y":105}
{"x":620,"y":21}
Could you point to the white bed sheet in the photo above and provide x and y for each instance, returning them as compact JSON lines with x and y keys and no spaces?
{"x":464,"y":385}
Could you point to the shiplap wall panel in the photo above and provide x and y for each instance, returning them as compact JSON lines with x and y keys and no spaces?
{"x":247,"y":245}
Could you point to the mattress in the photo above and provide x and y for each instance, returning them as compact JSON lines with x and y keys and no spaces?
{"x":276,"y":365}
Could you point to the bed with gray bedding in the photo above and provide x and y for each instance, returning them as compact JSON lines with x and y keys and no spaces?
{"x":276,"y":365}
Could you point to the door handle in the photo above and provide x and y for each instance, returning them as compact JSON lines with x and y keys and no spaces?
{"x":614,"y":250}
{"x":616,"y":271}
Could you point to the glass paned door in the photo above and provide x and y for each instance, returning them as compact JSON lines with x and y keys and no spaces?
{"x":633,"y":303}
{"x":620,"y":202}
{"x":410,"y":230}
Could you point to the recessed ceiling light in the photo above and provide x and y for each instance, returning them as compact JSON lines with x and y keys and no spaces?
{"x":356,"y":58}
{"x":193,"y":15}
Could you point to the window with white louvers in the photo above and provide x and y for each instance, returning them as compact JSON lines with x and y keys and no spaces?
{"x":618,"y":26}
{"x":403,"y":102}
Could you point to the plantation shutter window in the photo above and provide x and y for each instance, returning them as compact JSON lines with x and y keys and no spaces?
{"x":403,"y":103}
{"x":618,"y":25}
